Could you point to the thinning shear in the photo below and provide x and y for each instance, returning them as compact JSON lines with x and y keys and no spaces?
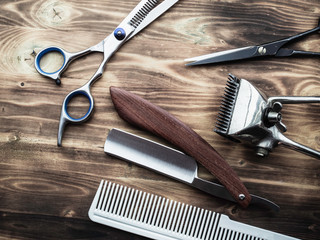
{"x":140,"y":17}
{"x":268,"y":49}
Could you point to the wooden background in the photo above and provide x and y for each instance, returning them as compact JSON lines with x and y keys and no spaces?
{"x":46,"y":191}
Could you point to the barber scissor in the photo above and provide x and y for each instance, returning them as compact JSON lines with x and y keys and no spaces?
{"x":268,"y":49}
{"x":140,"y":17}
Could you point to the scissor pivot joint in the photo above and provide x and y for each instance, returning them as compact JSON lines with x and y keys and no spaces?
{"x":242,"y":196}
{"x":119,"y":34}
{"x":262,"y":50}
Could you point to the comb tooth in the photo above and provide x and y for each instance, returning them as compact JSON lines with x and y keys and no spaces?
{"x":114,"y":198}
{"x":174,"y":225}
{"x":111,"y":195}
{"x":163,"y":211}
{"x":143,"y":207}
{"x":172,"y":218}
{"x":121,"y":200}
{"x":199,"y":227}
{"x":117,"y":200}
{"x":139,"y":207}
{"x":191,"y":221}
{"x":205,"y":230}
{"x":178,"y":225}
{"x":155,"y":210}
{"x":187,"y":220}
{"x":142,"y":13}
{"x":102,"y":195}
{"x":152,"y":209}
{"x":195,"y":223}
{"x":125,"y":202}
{"x":165,"y":215}
{"x":145,"y":216}
{"x":136,"y":193}
{"x":129,"y":202}
{"x":106,"y":196}
{"x":160,"y":211}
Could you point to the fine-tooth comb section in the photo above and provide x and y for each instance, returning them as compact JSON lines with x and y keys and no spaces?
{"x":142,"y":13}
{"x":154,"y":213}
{"x":227,"y":105}
{"x":157,"y":217}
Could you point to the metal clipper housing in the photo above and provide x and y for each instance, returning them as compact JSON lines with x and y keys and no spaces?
{"x":247,"y":115}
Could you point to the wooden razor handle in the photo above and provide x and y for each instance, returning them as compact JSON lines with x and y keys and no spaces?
{"x":143,"y":114}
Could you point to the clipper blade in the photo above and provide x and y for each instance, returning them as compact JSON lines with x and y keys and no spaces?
{"x":142,"y":13}
{"x":227,"y":107}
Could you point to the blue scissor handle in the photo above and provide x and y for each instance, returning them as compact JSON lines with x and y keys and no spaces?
{"x":65,"y":117}
{"x":56,"y":74}
{"x":67,"y":59}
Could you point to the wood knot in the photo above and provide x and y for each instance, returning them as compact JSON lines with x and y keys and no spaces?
{"x":234,"y":210}
{"x":14,"y":136}
{"x":57,"y":13}
{"x":241,"y":162}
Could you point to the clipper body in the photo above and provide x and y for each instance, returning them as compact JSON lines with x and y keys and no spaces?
{"x":247,"y":115}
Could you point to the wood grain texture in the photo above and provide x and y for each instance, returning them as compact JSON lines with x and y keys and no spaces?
{"x":46,"y":191}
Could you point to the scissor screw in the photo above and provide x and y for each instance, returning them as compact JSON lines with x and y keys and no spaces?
{"x":262,"y":50}
{"x":119,"y":34}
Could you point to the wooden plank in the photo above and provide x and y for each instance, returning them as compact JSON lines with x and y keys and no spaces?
{"x":46,"y":191}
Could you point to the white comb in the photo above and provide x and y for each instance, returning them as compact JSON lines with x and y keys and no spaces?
{"x":156,"y":217}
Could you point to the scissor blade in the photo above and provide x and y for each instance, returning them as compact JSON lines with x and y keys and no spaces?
{"x":224,"y":56}
{"x":153,"y":15}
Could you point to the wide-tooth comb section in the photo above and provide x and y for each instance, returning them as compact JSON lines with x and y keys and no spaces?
{"x":142,"y":13}
{"x":227,"y":105}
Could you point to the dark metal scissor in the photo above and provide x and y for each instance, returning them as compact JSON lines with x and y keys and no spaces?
{"x":268,"y":49}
